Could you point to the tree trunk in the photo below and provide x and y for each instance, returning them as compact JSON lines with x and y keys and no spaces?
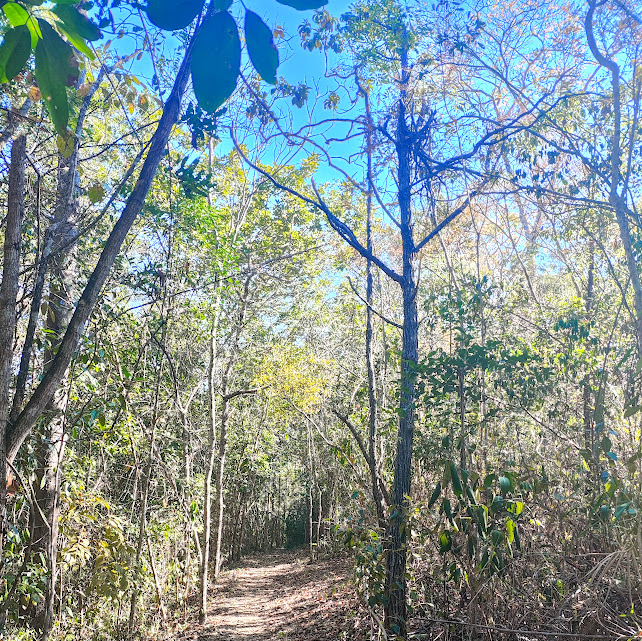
{"x":396,"y":589}
{"x":220,"y":475}
{"x":375,"y":474}
{"x":207,"y":483}
{"x":588,"y":413}
{"x":51,"y":447}
{"x":8,"y":298}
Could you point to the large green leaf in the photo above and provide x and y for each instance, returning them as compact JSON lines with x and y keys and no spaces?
{"x":55,"y":69}
{"x":14,"y":52}
{"x":172,"y":15}
{"x":76,"y":23}
{"x":304,"y":5}
{"x":77,"y":42}
{"x":216,"y":60}
{"x":17,"y":15}
{"x":261,"y":47}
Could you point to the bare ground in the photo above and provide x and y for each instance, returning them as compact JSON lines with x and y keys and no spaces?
{"x":282,"y":596}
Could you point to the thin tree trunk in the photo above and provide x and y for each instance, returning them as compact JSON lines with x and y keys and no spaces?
{"x":8,"y":298}
{"x":375,"y":475}
{"x":51,"y":447}
{"x":209,"y":471}
{"x":220,"y":475}
{"x":586,"y":392}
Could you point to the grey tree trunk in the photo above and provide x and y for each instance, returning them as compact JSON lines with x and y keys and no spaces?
{"x":8,"y":298}
{"x":212,"y":387}
{"x":51,"y":446}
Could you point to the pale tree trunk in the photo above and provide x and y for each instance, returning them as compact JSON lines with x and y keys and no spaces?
{"x":220,"y":475}
{"x":212,"y":387}
{"x":8,"y":298}
{"x":226,"y":397}
{"x":51,"y":446}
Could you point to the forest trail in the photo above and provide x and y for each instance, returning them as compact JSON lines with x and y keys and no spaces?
{"x":281,"y":596}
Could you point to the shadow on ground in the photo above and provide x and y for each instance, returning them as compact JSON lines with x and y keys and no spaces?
{"x":280,"y":596}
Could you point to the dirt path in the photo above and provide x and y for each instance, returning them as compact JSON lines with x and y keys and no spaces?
{"x":282,"y":596}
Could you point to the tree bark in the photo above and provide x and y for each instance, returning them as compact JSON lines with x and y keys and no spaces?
{"x":51,"y":447}
{"x":396,"y":588}
{"x":209,"y":471}
{"x":375,"y":474}
{"x":8,"y":298}
{"x":220,"y":475}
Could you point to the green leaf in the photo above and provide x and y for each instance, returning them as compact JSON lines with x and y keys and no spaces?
{"x":77,"y":42}
{"x":516,"y":507}
{"x":505,"y":484}
{"x":482,"y":518}
{"x":445,"y":542}
{"x":261,"y":47}
{"x":216,"y":61}
{"x":489,"y":480}
{"x":303,"y":5}
{"x":172,"y":15}
{"x":471,"y":495}
{"x":456,"y":481}
{"x":65,"y":145}
{"x":96,"y":193}
{"x":633,"y":409}
{"x":447,"y":508}
{"x":76,"y":23}
{"x":14,"y":52}
{"x":17,"y":15}
{"x":54,"y":71}
{"x":435,"y":495}
{"x":621,"y":509}
{"x":510,"y":530}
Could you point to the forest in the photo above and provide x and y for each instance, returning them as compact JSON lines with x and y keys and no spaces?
{"x":321,"y":320}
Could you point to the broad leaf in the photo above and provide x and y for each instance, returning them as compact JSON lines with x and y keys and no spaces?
{"x":76,"y":23}
{"x":304,"y":5}
{"x":17,"y":15}
{"x":14,"y":52}
{"x":505,"y":484}
{"x":261,"y":47}
{"x":55,"y":69}
{"x":172,"y":15}
{"x":77,"y":42}
{"x":216,"y":60}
